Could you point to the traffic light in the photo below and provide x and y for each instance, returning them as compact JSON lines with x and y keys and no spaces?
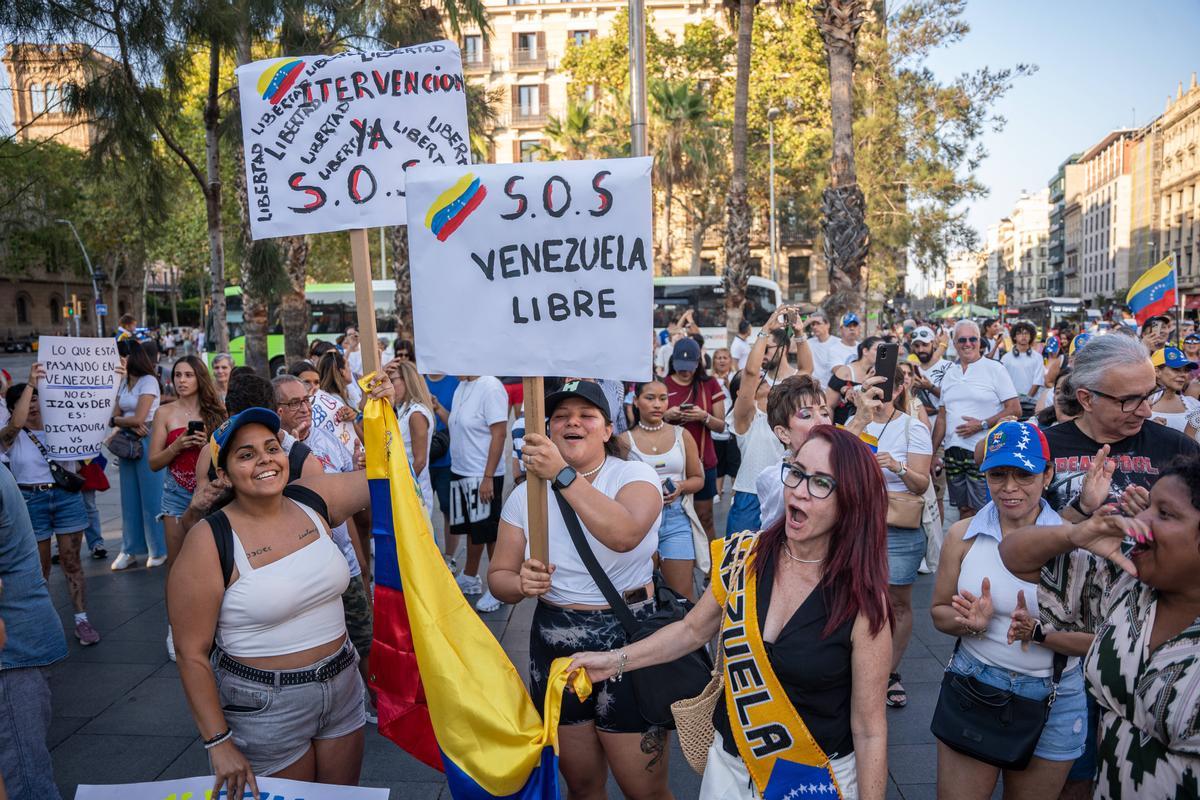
{"x":958,"y":292}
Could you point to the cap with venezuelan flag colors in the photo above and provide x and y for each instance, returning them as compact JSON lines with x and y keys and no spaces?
{"x":1016,"y":444}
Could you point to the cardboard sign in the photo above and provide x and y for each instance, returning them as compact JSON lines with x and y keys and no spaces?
{"x":328,"y":138}
{"x":201,"y":789}
{"x":76,"y":396}
{"x":533,"y":268}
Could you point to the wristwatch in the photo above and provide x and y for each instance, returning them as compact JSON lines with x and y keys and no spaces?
{"x":564,"y":478}
{"x":1038,"y":635}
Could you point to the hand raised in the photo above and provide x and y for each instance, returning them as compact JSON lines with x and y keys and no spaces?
{"x":1097,"y":482}
{"x":1021,"y":629}
{"x":974,"y":612}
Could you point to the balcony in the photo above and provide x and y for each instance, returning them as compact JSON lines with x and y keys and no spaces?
{"x":525,"y":118}
{"x":528,"y":58}
{"x":481,"y":64}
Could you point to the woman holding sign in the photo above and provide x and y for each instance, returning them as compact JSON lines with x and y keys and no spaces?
{"x":802,"y":609}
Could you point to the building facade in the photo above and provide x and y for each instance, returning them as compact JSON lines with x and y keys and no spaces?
{"x":1072,"y":230}
{"x":1179,"y":186}
{"x":1028,"y":247}
{"x":1106,"y":209}
{"x":998,"y":261}
{"x":1056,"y":250}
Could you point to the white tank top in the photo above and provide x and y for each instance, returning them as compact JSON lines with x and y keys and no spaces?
{"x":983,"y":561}
{"x":760,"y":449}
{"x":671,"y":464}
{"x":288,"y":605}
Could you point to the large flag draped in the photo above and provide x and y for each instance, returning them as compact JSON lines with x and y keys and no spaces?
{"x":1154,"y":292}
{"x":468,"y":711}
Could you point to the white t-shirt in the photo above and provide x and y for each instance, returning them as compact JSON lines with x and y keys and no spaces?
{"x":518,"y":443}
{"x":839,"y":353}
{"x":325,"y":408}
{"x":127,"y":397}
{"x":899,"y":437}
{"x":662,"y":359}
{"x":769,"y":487}
{"x":478,"y":405}
{"x":979,"y":392}
{"x":334,"y":458}
{"x":405,"y":415}
{"x":822,"y":354}
{"x":934,"y":374}
{"x":759,"y":447}
{"x":1025,"y":371}
{"x":26,"y":461}
{"x":1179,"y":419}
{"x":354,"y":361}
{"x":739,"y":351}
{"x":571,"y":582}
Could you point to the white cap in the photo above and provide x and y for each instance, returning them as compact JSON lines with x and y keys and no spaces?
{"x":923,"y":334}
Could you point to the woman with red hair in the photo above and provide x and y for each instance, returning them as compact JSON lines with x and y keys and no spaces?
{"x":805,"y":624}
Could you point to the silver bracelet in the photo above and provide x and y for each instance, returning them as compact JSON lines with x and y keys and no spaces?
{"x":622,"y":660}
{"x":216,"y":740}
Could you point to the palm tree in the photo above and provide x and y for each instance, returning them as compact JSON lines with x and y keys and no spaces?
{"x":737,"y":205}
{"x":570,"y":136}
{"x":843,"y":209}
{"x":678,"y":117}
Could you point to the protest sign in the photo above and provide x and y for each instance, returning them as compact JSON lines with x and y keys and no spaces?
{"x":328,"y":138}
{"x":533,"y":268}
{"x":201,"y":789}
{"x":76,"y":396}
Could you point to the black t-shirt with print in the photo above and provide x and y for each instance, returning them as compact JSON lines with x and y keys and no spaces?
{"x":1139,"y":459}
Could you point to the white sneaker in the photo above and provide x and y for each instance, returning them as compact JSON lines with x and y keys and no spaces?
{"x":123,"y":561}
{"x":487,"y":603}
{"x":470,"y":584}
{"x":155,"y":561}
{"x":924,"y":568}
{"x":372,"y":712}
{"x":170,"y":644}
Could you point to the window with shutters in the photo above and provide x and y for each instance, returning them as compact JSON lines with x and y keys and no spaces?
{"x":580,"y":38}
{"x":473,"y":53}
{"x":529,"y":104}
{"x":528,"y":150}
{"x":529,"y":49}
{"x":37,"y":100}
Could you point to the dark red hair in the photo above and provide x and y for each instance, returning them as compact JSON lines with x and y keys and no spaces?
{"x":856,"y":569}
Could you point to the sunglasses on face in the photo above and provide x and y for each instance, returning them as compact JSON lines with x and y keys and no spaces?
{"x":967,"y":340}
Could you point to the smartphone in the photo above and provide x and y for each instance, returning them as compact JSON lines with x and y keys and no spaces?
{"x":668,"y":487}
{"x":885,"y":365}
{"x":687,"y":406}
{"x":195,"y":426}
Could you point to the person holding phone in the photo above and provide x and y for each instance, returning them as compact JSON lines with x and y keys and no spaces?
{"x":141,"y":490}
{"x":698,"y":405}
{"x":848,"y":377}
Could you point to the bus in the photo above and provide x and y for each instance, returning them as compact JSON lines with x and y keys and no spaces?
{"x":332,"y":309}
{"x":1047,"y":312}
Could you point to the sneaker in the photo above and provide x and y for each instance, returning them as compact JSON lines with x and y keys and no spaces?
{"x":372,"y":712}
{"x":452,"y":564}
{"x":924,"y":568}
{"x":487,"y":603}
{"x":85,"y":633}
{"x":99,"y":552}
{"x":470,"y":584}
{"x":155,"y":561}
{"x":123,"y":561}
{"x":170,"y":644}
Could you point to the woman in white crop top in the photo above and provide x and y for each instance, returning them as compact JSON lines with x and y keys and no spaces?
{"x":977,"y":599}
{"x":672,"y":452}
{"x":618,"y":504}
{"x":279,"y":695}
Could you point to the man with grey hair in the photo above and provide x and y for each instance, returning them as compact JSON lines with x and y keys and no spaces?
{"x":1113,"y":380}
{"x":977,"y":393}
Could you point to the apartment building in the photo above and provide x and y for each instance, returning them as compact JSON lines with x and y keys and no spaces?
{"x":1179,"y":187}
{"x":1056,"y":252}
{"x":1106,"y":210}
{"x":998,"y":263}
{"x":1028,"y":246}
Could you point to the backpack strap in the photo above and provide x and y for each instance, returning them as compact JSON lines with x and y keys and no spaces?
{"x":306,"y":496}
{"x":296,"y":459}
{"x":222,"y":533}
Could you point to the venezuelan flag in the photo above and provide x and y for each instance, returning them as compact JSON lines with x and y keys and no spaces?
{"x":453,"y":206}
{"x":467,"y":712}
{"x":1154,"y":292}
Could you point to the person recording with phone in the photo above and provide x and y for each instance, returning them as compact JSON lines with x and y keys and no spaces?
{"x":697,"y":403}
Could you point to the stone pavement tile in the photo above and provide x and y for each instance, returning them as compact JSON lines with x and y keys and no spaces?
{"x":113,"y":759}
{"x":910,"y":725}
{"x":191,"y":762}
{"x":168,"y":670}
{"x":421,"y":790}
{"x":918,"y":791}
{"x":155,"y":707}
{"x":893,"y":791}
{"x":921,"y":669}
{"x":116,"y":651}
{"x":148,"y":626}
{"x":385,"y":764}
{"x":86,"y":689}
{"x":62,"y":728}
{"x":912,"y":763}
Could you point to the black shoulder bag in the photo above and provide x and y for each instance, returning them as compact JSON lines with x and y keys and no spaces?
{"x":991,"y":725}
{"x":657,"y":687}
{"x":63,"y":478}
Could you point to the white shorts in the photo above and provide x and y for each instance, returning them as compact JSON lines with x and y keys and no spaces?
{"x":726,"y":776}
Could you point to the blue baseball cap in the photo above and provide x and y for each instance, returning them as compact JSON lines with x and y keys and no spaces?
{"x":1016,"y":444}
{"x":1171,"y":357}
{"x":663,"y":336}
{"x":1079,"y":341}
{"x":850,"y":319}
{"x":686,"y":355}
{"x":224,"y":434}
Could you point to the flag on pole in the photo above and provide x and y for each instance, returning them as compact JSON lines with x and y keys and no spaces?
{"x":468,"y":711}
{"x":1154,"y":292}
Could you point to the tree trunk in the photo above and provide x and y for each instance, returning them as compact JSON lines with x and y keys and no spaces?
{"x":293,"y":306}
{"x":212,"y":203}
{"x":403,"y":278}
{"x":698,"y":230}
{"x":668,"y":256}
{"x":174,"y":290}
{"x":737,"y":206}
{"x":843,"y":209}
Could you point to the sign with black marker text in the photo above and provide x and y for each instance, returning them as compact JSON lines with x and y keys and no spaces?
{"x":76,"y":396}
{"x":533,"y":268}
{"x":328,"y":138}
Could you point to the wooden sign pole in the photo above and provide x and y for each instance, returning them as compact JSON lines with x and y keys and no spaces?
{"x":535,"y":421}
{"x":364,"y":299}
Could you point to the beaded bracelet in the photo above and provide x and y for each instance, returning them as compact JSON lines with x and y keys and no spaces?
{"x":218,"y":739}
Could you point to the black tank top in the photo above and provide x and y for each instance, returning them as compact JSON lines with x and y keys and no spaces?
{"x":816,"y":673}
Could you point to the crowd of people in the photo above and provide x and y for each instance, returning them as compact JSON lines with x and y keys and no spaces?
{"x":1050,"y":479}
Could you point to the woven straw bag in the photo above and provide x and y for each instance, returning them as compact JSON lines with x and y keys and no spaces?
{"x":693,"y":715}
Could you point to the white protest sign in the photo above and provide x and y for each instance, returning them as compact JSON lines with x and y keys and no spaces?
{"x":533,"y":268}
{"x":201,"y":789}
{"x":328,"y":138}
{"x":76,"y":396}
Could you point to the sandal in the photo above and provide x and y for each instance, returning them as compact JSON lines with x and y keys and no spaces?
{"x":896,"y":696}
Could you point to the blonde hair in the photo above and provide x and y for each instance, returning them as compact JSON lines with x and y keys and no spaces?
{"x":415,"y":388}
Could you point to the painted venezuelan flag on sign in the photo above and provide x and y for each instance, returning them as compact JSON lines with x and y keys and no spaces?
{"x":1154,"y":292}
{"x":467,"y":712}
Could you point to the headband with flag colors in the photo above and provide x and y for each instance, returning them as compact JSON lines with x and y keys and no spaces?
{"x":1154,"y":292}
{"x":466,"y":711}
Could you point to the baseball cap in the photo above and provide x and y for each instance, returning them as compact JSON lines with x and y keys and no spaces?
{"x":686,"y":355}
{"x":1079,"y":341}
{"x":923,"y":334}
{"x":223,"y":435}
{"x":1192,"y":338}
{"x":1016,"y":444}
{"x":1171,"y":357}
{"x":850,"y":319}
{"x":584,"y":390}
{"x":664,"y":336}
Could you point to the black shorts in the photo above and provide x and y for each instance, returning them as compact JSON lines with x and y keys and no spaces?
{"x":471,"y":516}
{"x":558,"y":632}
{"x":729,"y":457}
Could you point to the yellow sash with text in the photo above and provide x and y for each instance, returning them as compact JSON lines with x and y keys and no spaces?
{"x":771,"y":737}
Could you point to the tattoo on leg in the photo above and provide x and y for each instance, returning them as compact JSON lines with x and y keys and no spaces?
{"x":654,"y":744}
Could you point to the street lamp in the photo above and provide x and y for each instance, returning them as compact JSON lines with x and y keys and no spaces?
{"x":91,"y":274}
{"x":772,"y":115}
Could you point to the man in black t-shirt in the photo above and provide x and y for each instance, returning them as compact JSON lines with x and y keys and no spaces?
{"x":1113,"y":380}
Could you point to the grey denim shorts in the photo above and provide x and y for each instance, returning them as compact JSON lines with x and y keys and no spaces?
{"x":274,"y":726}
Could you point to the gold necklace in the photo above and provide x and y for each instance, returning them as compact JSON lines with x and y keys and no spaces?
{"x":787,"y":551}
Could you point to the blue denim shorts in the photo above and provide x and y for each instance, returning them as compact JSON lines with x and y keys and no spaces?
{"x":1065,"y":733}
{"x":745,"y":514}
{"x":175,"y":498}
{"x":906,"y":548}
{"x":675,"y":533}
{"x":55,"y":511}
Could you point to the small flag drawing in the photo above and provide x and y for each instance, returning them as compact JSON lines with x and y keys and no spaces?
{"x":278,"y":78}
{"x":1153,"y":293}
{"x":452,"y":207}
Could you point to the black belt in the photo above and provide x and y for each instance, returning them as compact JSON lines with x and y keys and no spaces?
{"x":36,"y":487}
{"x":294,"y":677}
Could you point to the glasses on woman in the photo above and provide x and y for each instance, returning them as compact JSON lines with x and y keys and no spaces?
{"x":1000,"y":475}
{"x":819,"y":486}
